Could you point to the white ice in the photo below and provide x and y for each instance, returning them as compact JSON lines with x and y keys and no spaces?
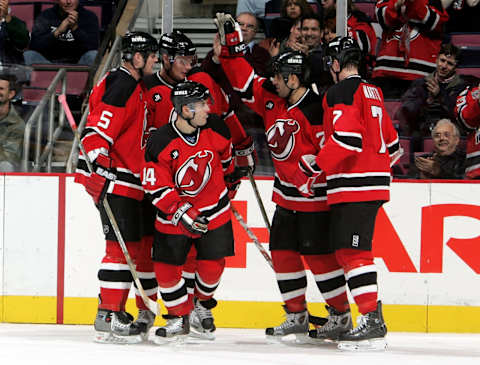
{"x":67,"y":344}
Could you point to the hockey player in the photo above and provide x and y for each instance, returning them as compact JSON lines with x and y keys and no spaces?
{"x":112,"y":139}
{"x":292,"y":115}
{"x":468,"y":114}
{"x":178,"y":58}
{"x":187,"y":172}
{"x":360,"y":144}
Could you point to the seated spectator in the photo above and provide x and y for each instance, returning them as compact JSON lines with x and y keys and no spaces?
{"x":14,"y":36}
{"x":320,"y":77}
{"x":446,"y":161}
{"x":359,"y":27}
{"x":255,"y":7}
{"x":411,"y":39}
{"x":433,"y":97}
{"x":291,"y":11}
{"x":468,"y":116}
{"x":12,"y":127}
{"x":463,"y":15}
{"x":294,"y":41}
{"x":65,"y":33}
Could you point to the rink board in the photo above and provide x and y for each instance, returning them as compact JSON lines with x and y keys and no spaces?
{"x":426,"y":244}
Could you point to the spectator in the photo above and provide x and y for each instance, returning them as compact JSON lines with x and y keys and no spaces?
{"x":65,"y":33}
{"x":12,"y":127}
{"x":291,"y":11}
{"x":255,"y":7}
{"x":463,"y":15}
{"x":468,"y":116}
{"x":359,"y":26}
{"x":433,"y":97}
{"x":411,"y":39}
{"x":14,"y":36}
{"x":294,"y":42}
{"x":320,"y":78}
{"x":446,"y":161}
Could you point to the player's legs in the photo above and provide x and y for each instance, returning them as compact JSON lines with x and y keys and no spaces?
{"x":112,"y":323}
{"x":290,"y":273}
{"x":352,"y":228}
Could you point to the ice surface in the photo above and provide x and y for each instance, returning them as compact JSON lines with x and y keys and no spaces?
{"x":66,"y":344}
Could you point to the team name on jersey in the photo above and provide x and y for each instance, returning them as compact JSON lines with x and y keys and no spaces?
{"x":371,"y":92}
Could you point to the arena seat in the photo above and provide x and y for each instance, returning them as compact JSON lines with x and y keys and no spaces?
{"x":25,"y":12}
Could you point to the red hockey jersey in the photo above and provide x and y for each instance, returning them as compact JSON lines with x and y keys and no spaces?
{"x":160,"y":106}
{"x":181,"y":168}
{"x":115,"y":126}
{"x":291,"y":131}
{"x":360,"y":140}
{"x":360,"y":29}
{"x":411,"y":38}
{"x":468,"y":113}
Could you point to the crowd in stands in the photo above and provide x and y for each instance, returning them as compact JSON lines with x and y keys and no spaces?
{"x":407,"y":47}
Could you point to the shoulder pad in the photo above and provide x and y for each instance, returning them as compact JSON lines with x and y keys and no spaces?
{"x":217,"y":124}
{"x":343,"y":92}
{"x":311,"y":107}
{"x":158,"y":141}
{"x":119,"y":86}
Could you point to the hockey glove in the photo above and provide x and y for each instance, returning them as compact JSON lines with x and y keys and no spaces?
{"x":192,"y":223}
{"x":306,"y":176}
{"x":101,"y":177}
{"x":245,"y":155}
{"x":231,"y":37}
{"x":232,"y":181}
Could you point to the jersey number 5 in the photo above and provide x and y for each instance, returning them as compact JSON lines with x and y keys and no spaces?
{"x":105,"y":119}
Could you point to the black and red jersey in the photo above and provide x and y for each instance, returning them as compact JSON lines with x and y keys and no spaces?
{"x":360,"y":28}
{"x":468,"y":113}
{"x":160,"y":106}
{"x":115,"y":126}
{"x":411,"y":39}
{"x":360,"y":140}
{"x":291,"y":131}
{"x":189,"y":168}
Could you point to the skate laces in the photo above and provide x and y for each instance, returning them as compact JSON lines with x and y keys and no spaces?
{"x":174,"y":324}
{"x":121,"y":320}
{"x":334,"y":320}
{"x":361,"y":323}
{"x":202,"y":312}
{"x":289,"y":321}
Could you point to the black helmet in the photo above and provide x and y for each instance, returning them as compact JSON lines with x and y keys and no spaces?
{"x":176,"y":44}
{"x":188,"y":92}
{"x":291,"y":62}
{"x":138,"y":42}
{"x":343,"y":49}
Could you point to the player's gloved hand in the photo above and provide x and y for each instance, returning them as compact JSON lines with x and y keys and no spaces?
{"x":231,"y":37}
{"x":232,"y":181}
{"x":192,"y":222}
{"x":245,"y":155}
{"x":101,"y":177}
{"x":306,"y":176}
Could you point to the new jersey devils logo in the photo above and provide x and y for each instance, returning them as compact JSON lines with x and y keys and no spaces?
{"x":195,"y":172}
{"x":281,"y":138}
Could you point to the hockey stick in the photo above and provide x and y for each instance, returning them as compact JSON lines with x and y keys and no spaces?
{"x":252,"y":236}
{"x":152,"y":305}
{"x":259,"y":199}
{"x":315,"y":320}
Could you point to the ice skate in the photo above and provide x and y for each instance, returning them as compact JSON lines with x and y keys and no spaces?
{"x":176,"y":330}
{"x":337,"y":324}
{"x":116,"y":327}
{"x":368,"y":335}
{"x":295,"y":323}
{"x":201,"y":319}
{"x":145,"y":322}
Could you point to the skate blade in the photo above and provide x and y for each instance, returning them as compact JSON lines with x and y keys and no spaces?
{"x":208,"y":336}
{"x":374,"y":344}
{"x":298,"y":338}
{"x":319,"y":341}
{"x":108,"y":337}
{"x":175,"y":340}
